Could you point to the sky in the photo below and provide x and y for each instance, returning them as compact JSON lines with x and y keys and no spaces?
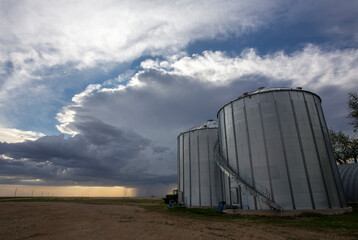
{"x":93,"y":94}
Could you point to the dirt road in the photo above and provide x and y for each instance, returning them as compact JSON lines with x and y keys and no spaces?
{"x":42,"y":220}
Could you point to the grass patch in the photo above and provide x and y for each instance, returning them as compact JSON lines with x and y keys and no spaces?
{"x":194,"y":213}
{"x":347,"y":221}
{"x":344,"y":224}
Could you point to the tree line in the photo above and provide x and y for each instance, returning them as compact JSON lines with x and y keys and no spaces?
{"x":345,"y":146}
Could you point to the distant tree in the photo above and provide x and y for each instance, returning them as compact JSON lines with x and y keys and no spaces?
{"x":354,"y":145}
{"x":353,"y":109}
{"x":345,"y":148}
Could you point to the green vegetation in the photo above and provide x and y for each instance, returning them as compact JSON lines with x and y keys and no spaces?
{"x":353,"y":109}
{"x":344,"y":224}
{"x":345,"y":147}
{"x":195,"y":213}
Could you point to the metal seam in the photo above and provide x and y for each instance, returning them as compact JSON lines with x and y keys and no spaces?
{"x":227,"y":154}
{"x":235,"y":144}
{"x":249,"y":148}
{"x":265,"y":147}
{"x":191,"y":196}
{"x":220,"y":172}
{"x":345,"y":176}
{"x":284,"y":153}
{"x":178,"y":166}
{"x":235,"y":141}
{"x":329,"y":153}
{"x":353,"y":186}
{"x":350,"y":179}
{"x":197,"y":142}
{"x":342,"y":171}
{"x":318,"y":155}
{"x":183,"y":171}
{"x":302,"y":152}
{"x":209,"y":161}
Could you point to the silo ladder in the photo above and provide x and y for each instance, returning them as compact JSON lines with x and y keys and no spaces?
{"x":260,"y":193}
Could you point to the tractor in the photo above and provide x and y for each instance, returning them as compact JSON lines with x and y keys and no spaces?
{"x":171,"y":197}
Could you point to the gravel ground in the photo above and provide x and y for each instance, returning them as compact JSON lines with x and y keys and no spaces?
{"x":42,"y":220}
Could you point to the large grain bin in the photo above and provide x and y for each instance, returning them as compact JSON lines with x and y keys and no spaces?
{"x":276,"y":141}
{"x":349,"y":176}
{"x":198,"y":175}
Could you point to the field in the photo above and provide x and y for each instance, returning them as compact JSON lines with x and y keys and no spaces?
{"x":136,"y":218}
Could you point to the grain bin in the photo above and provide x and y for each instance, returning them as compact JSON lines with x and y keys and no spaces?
{"x":276,"y":152}
{"x":198,"y":175}
{"x":349,"y":176}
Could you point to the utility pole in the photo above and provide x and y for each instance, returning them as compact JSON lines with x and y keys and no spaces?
{"x":15,"y":192}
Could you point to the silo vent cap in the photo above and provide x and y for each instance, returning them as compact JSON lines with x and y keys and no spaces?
{"x":204,"y":125}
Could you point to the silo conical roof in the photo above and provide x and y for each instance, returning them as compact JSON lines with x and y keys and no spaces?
{"x":204,"y":125}
{"x":209,"y":124}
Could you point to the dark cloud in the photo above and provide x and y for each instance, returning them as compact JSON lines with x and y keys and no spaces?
{"x":9,"y":67}
{"x":125,"y":138}
{"x":330,"y":24}
{"x":167,"y":104}
{"x":100,"y":155}
{"x":6,"y":69}
{"x":335,"y":106}
{"x":159,"y":149}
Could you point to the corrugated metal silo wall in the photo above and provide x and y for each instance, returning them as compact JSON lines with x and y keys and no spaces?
{"x":349,"y":176}
{"x":279,"y":139}
{"x":198,"y":174}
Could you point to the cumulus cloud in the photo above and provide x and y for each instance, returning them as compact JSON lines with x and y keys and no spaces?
{"x":88,"y":31}
{"x":45,"y":33}
{"x":44,"y":43}
{"x":13,"y":135}
{"x":311,"y":67}
{"x":169,"y":94}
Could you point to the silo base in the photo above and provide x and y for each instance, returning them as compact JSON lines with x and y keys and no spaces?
{"x":333,"y":211}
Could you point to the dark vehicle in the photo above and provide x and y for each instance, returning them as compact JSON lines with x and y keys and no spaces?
{"x":171,"y":197}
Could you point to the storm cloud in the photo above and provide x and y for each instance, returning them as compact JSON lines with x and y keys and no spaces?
{"x":102,"y":154}
{"x":117,"y":143}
